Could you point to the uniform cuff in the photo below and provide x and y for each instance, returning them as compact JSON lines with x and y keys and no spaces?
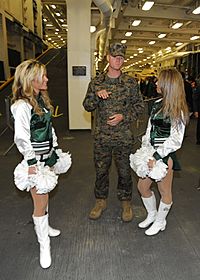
{"x":157,"y":156}
{"x":31,"y":161}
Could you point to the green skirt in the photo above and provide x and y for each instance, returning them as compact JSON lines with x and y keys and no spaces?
{"x":176,"y":165}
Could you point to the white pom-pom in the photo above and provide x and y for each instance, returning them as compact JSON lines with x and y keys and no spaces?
{"x":63,"y":163}
{"x":139,"y":160}
{"x":159,"y":171}
{"x":22,"y":180}
{"x":45,"y":179}
{"x":139,"y":163}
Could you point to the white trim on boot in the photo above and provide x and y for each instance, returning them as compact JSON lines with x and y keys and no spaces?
{"x":41,"y":229}
{"x":150,"y":205}
{"x":160,"y":222}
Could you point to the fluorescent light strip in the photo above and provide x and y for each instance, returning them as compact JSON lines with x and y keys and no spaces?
{"x":136,"y":22}
{"x":177,"y":25}
{"x":147,"y":5}
{"x":196,"y":11}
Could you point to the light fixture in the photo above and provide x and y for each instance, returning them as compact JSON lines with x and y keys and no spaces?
{"x":152,"y":42}
{"x":177,"y":25}
{"x":178,"y":44}
{"x":196,"y":11}
{"x":58,"y":14}
{"x":194,"y":37}
{"x":49,"y":25}
{"x":92,"y":29}
{"x":162,"y":35}
{"x":44,"y":19}
{"x":147,"y":5}
{"x":53,"y":6}
{"x":136,"y":22}
{"x":128,"y":34}
{"x":123,"y":41}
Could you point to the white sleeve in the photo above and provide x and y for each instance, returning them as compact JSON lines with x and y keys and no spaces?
{"x":55,"y":142}
{"x":146,"y":137}
{"x":21,"y":111}
{"x":174,"y":141}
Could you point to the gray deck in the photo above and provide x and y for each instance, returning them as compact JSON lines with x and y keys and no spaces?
{"x":105,"y":249}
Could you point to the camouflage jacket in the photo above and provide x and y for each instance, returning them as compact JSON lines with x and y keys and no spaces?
{"x":124,"y":99}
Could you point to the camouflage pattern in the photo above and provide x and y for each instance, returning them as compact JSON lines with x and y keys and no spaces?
{"x":117,"y":49}
{"x":116,"y":140}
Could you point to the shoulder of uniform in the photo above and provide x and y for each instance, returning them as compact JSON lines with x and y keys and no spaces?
{"x":98,"y":79}
{"x":128,"y":79}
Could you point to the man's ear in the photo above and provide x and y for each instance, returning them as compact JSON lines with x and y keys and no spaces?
{"x":107,"y":57}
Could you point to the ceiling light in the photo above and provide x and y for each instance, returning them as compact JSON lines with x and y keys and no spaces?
{"x":136,"y":22}
{"x":196,"y":11}
{"x":49,"y":24}
{"x":177,"y":25}
{"x":147,"y":5}
{"x":53,"y":6}
{"x":152,"y":42}
{"x":178,"y":44}
{"x":140,"y":49}
{"x":92,"y":29}
{"x":58,"y":14}
{"x":123,"y":41}
{"x":44,"y":19}
{"x":64,"y":25}
{"x":56,"y":33}
{"x":62,"y":20}
{"x":168,"y":49}
{"x":135,"y":54}
{"x":128,"y":34}
{"x":194,"y":37}
{"x":162,"y":35}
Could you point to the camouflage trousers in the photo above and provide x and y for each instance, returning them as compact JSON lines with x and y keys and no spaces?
{"x":103,"y":154}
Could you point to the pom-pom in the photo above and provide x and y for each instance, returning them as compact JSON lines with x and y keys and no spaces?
{"x":139,"y":163}
{"x":63,"y":163}
{"x":44,"y":180}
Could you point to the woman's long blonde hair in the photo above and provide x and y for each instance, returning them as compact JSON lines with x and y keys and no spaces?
{"x":171,"y":85}
{"x":22,"y":88}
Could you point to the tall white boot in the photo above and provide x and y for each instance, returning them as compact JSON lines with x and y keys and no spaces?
{"x":150,"y":205}
{"x":41,"y":229}
{"x":160,"y":222}
{"x":52,"y":231}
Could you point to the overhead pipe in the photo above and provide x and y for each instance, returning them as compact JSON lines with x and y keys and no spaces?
{"x":103,"y":29}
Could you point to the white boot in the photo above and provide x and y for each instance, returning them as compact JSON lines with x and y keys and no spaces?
{"x":160,"y":222}
{"x":150,"y":205}
{"x":41,"y":229}
{"x":52,"y":231}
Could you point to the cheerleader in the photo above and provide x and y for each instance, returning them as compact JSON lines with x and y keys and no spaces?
{"x":156,"y":159}
{"x":36,"y":140}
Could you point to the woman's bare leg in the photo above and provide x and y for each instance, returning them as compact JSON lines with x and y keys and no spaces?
{"x":144,"y":186}
{"x":40,"y":202}
{"x":165,"y":186}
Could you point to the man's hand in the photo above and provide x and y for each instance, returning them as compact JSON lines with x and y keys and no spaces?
{"x":115,"y":119}
{"x":104,"y":94}
{"x":196,"y":114}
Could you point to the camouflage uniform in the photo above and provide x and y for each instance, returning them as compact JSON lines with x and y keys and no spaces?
{"x":113,"y":140}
